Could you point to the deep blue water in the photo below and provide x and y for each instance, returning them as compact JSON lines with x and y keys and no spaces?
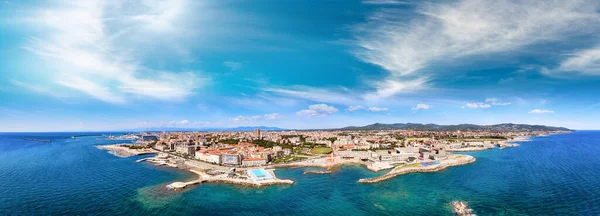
{"x":553,"y":175}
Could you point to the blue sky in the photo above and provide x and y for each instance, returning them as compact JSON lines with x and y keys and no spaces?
{"x":109,"y":65}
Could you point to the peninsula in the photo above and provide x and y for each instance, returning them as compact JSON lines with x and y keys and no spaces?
{"x":249,"y":158}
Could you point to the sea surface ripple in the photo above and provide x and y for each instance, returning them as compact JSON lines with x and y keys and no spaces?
{"x":552,"y":175}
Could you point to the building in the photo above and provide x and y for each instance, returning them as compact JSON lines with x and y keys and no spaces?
{"x":208,"y":156}
{"x":185,"y":149}
{"x":287,"y":151}
{"x":248,"y":162}
{"x":231,"y":159}
{"x":257,"y":132}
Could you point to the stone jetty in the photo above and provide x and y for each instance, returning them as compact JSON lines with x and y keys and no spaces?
{"x":456,"y":160}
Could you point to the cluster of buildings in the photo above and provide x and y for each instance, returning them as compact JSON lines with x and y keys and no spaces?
{"x":394,"y":146}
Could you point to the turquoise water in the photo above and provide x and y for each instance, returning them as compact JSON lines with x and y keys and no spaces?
{"x":554,"y":175}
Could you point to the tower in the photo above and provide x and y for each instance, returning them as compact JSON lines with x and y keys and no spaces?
{"x":257,"y":132}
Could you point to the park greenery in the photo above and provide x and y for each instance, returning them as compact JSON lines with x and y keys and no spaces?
{"x":286,"y":159}
{"x":229,"y":141}
{"x":322,"y":150}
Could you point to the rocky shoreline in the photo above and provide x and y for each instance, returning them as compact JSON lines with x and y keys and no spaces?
{"x":253,"y":184}
{"x":470,"y":149}
{"x":317,"y":172}
{"x":467,"y":159}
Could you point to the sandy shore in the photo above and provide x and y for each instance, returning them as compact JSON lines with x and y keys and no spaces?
{"x":454,"y":160}
{"x":120,"y":150}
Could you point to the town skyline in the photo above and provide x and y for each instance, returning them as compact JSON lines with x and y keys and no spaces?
{"x":106,"y":66}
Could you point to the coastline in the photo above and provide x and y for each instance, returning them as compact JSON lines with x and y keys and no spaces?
{"x":328,"y":163}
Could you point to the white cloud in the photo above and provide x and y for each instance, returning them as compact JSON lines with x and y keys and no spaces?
{"x":272,"y":116}
{"x":183,"y":122}
{"x":233,"y":65}
{"x":496,"y":102}
{"x":354,"y":108}
{"x":93,"y":89}
{"x":95,"y":43}
{"x":316,"y":94}
{"x":246,"y":118}
{"x":421,"y":106}
{"x":38,"y":89}
{"x":388,"y":88}
{"x":477,"y":105}
{"x":586,"y":62}
{"x":540,"y":111}
{"x":269,"y":116}
{"x":384,"y":2}
{"x":377,"y":109}
{"x":318,"y":110}
{"x":454,"y":29}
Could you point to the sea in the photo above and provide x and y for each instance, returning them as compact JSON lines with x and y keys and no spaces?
{"x":550,"y":175}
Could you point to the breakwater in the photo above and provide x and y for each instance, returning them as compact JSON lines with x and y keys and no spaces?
{"x":461,"y":160}
{"x":316,"y":172}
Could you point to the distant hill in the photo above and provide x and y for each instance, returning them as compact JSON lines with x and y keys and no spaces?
{"x":459,"y":127}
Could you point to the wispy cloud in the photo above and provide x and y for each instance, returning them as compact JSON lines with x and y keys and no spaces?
{"x":378,"y":109}
{"x":233,"y":65}
{"x":90,"y":44}
{"x":384,"y":2}
{"x":450,"y":30}
{"x":421,"y":106}
{"x":584,"y":62}
{"x":92,"y":88}
{"x":38,"y":89}
{"x":354,"y":108}
{"x":497,"y":102}
{"x":316,"y":94}
{"x":269,"y":116}
{"x":318,"y":110}
{"x":477,"y":105}
{"x":540,"y":111}
{"x":272,"y":116}
{"x":489,"y":102}
{"x":245,"y":118}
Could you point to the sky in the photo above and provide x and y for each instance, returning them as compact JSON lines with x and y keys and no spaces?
{"x":113,"y":65}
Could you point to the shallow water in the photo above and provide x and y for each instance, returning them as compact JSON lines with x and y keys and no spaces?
{"x":550,"y":175}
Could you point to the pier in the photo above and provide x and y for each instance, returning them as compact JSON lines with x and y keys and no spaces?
{"x":181,"y":185}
